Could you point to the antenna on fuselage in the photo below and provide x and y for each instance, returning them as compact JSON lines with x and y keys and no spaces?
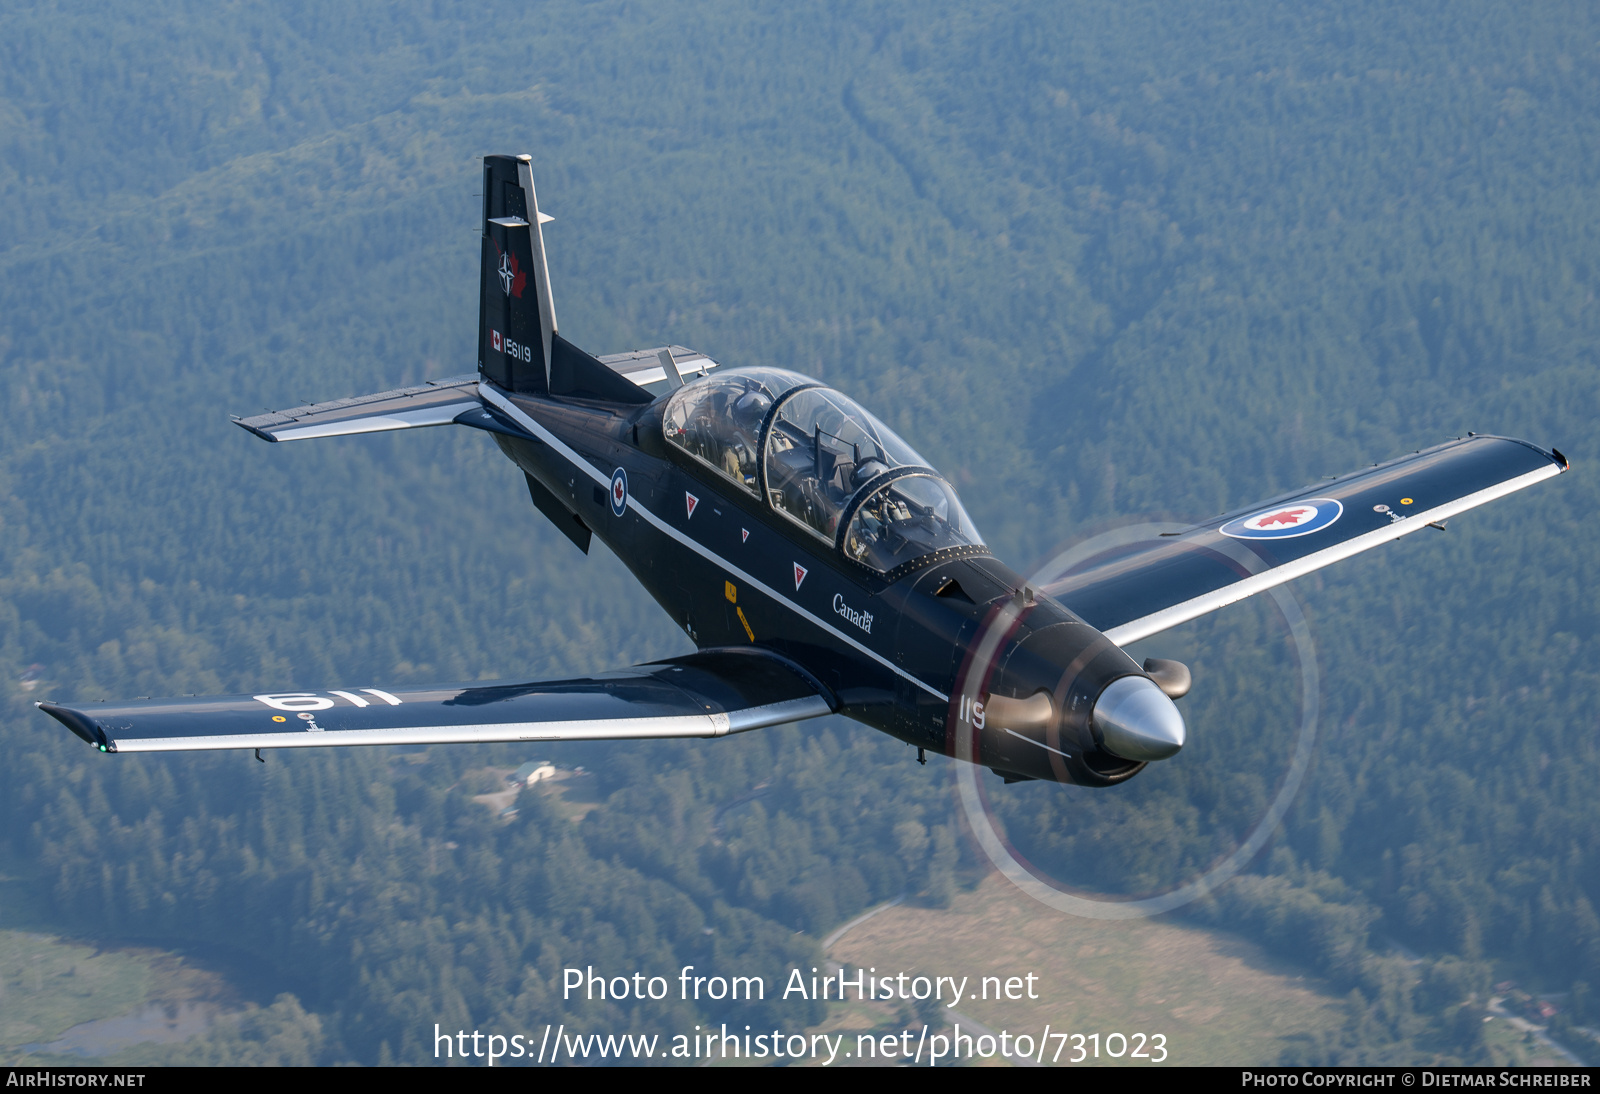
{"x":670,"y":367}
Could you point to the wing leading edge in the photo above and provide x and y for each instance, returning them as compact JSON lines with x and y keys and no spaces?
{"x":708,"y":694}
{"x":1135,"y":591}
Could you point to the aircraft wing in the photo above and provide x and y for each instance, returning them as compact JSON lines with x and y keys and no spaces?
{"x":1143,"y":588}
{"x":707,"y":694}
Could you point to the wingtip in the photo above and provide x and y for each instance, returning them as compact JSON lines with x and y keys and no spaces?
{"x":80,"y":724}
{"x":242,"y":424}
{"x":1561,"y":461}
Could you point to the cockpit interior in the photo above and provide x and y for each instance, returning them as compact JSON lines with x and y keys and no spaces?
{"x":819,"y":459}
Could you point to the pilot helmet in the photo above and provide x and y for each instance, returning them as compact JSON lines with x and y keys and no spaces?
{"x":866,"y":471}
{"x":752,"y":406}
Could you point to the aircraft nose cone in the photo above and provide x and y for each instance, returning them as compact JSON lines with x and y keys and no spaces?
{"x":1137,"y":721}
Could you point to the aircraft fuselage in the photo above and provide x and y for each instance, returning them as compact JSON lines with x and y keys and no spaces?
{"x":954,"y":647}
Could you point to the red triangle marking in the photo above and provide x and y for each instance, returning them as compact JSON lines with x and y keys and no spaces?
{"x":799,"y":575}
{"x":744,"y":534}
{"x":691,"y":501}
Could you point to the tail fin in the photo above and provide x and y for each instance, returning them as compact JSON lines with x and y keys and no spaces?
{"x":517,"y":317}
{"x":518,"y":347}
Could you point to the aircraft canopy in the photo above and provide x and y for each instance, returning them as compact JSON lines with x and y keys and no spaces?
{"x":820,"y":460}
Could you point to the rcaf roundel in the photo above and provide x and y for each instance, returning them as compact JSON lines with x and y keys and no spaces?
{"x":1297,"y":518}
{"x":799,"y":575}
{"x":689,"y":502}
{"x":619,"y":492}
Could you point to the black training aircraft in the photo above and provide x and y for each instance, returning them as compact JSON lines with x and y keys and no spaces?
{"x":815,"y":559}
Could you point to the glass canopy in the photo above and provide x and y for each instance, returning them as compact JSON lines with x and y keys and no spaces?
{"x":904,"y":519}
{"x":822,"y":448}
{"x":718,"y":419}
{"x":820,"y":453}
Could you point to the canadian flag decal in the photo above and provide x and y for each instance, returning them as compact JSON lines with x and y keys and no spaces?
{"x":499,"y":346}
{"x":690,"y":501}
{"x":799,"y":575}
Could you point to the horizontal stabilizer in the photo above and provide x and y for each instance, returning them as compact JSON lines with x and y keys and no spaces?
{"x":707,"y":694}
{"x":437,"y":402}
{"x":1140,"y":589}
{"x":644,"y":367}
{"x":454,"y":400}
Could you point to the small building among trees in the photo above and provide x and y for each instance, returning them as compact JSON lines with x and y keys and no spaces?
{"x":534,"y":771}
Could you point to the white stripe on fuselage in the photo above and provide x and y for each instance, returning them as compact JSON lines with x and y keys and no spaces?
{"x":602,"y":478}
{"x":1041,"y":744}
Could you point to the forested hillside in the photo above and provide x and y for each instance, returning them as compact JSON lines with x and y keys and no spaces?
{"x":1097,"y":261}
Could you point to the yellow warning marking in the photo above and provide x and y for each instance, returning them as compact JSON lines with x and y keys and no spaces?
{"x":730,"y":592}
{"x":277,"y":718}
{"x":1405,"y":501}
{"x":745,"y":621}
